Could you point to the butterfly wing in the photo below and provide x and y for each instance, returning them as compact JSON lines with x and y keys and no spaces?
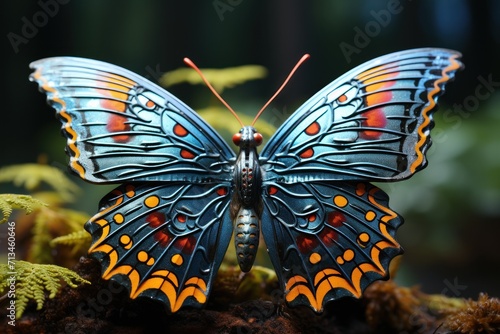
{"x":163,"y":240}
{"x":328,"y":240}
{"x":163,"y":233}
{"x":122,"y":127}
{"x":372,"y":123}
{"x":329,"y":233}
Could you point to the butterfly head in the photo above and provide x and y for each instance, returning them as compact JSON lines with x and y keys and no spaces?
{"x":247,"y":137}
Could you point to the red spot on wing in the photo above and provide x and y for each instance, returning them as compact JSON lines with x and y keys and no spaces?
{"x":221,"y":191}
{"x":312,"y":217}
{"x":378,"y":93}
{"x":306,"y":243}
{"x":307,"y":153}
{"x":272,"y":190}
{"x":118,"y":123}
{"x":155,"y":219}
{"x":328,"y":236}
{"x":163,"y":237}
{"x":113,"y":102}
{"x":335,"y":218}
{"x":186,"y":244}
{"x":180,"y":131}
{"x":313,"y":129}
{"x":374,"y":119}
{"x":181,"y":218}
{"x":186,"y":154}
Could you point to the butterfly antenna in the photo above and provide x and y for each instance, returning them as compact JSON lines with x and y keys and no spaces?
{"x":190,"y":63}
{"x":294,"y":69}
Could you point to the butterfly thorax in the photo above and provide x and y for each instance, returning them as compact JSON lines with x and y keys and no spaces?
{"x":246,"y":206}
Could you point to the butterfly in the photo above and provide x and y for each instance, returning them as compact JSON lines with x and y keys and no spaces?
{"x":164,"y":231}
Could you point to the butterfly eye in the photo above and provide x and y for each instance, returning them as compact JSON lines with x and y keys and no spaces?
{"x":237,"y":139}
{"x":257,"y":137}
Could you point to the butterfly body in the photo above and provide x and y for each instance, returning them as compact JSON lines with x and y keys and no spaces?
{"x":164,"y":231}
{"x":247,"y":204}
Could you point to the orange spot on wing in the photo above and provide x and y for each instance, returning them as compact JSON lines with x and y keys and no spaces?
{"x":374,"y":119}
{"x":307,"y":153}
{"x":180,"y":131}
{"x":187,"y":154}
{"x":118,"y":123}
{"x":313,"y":129}
{"x":342,"y":98}
{"x":377,"y":94}
{"x":113,"y":105}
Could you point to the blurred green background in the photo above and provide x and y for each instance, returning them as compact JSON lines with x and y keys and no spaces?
{"x":452,"y":209}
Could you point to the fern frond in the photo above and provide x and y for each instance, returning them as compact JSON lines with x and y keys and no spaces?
{"x":47,"y":223}
{"x":30,"y":176}
{"x":79,"y":240}
{"x":8,"y":202}
{"x":33,"y":281}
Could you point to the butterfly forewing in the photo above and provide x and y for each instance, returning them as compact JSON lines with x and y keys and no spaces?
{"x":372,"y":123}
{"x":122,"y":127}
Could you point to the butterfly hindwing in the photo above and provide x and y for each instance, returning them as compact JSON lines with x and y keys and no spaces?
{"x":328,"y":240}
{"x":372,"y":123}
{"x":163,"y":240}
{"x":121,"y":127}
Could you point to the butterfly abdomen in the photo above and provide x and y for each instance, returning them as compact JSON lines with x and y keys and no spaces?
{"x":246,"y":237}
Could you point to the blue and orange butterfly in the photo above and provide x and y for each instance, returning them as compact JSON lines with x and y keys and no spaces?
{"x":164,"y":232}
